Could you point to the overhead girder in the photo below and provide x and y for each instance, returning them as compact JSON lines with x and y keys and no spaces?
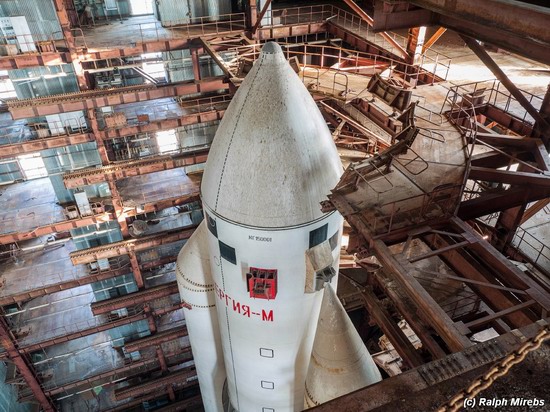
{"x":511,"y":25}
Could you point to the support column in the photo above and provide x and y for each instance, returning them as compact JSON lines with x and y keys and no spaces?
{"x":161,"y":358}
{"x":164,"y":368}
{"x":26,"y":371}
{"x":136,"y":270}
{"x":81,"y":76}
{"x":261,"y":16}
{"x":196,"y":64}
{"x":65,"y":23}
{"x":393,"y":332}
{"x":115,"y":195}
{"x":171,"y":393}
{"x":92,"y":119}
{"x":415,"y":43}
{"x":252,"y":13}
{"x":118,"y":206}
{"x":150,"y":320}
{"x":506,"y":226}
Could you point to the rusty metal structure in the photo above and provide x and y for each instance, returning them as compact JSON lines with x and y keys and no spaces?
{"x":442,"y":174}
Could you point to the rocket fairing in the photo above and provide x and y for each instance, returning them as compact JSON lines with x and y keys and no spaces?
{"x":270,"y":248}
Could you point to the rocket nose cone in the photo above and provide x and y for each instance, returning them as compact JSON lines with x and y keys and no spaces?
{"x":272,"y":48}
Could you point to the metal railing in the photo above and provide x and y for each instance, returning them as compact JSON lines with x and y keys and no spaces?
{"x":42,"y":130}
{"x":416,"y":208}
{"x":430,"y":60}
{"x":131,"y":34}
{"x":357,"y":25}
{"x":338,"y":59}
{"x":434,"y":62}
{"x":463,"y":103}
{"x":138,"y":114}
{"x":495,"y":94}
{"x":296,"y":15}
{"x":13,"y":45}
{"x":535,"y":250}
{"x":463,"y":115}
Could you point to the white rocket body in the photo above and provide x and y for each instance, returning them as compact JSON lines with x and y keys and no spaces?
{"x":271,"y":163}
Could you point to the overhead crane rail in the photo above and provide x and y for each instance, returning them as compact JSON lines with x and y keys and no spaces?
{"x":76,"y":96}
{"x":136,"y":298}
{"x":127,"y":246}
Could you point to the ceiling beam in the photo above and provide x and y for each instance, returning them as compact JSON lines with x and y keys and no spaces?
{"x":509,"y":177}
{"x":495,"y":201}
{"x":512,"y":25}
{"x":435,"y":37}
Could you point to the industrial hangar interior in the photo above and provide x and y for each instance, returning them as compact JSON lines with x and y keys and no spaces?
{"x":372,"y":231}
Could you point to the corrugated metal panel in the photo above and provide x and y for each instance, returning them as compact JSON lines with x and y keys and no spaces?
{"x":215,"y":8}
{"x":69,"y":158}
{"x":133,"y":80}
{"x":101,"y":288}
{"x":10,"y":172}
{"x":40,"y":14}
{"x":99,"y":11}
{"x":96,"y":235}
{"x":209,"y":68}
{"x":196,"y":135}
{"x":179,"y":66}
{"x":174,"y":12}
{"x":129,"y":332}
{"x":196,"y":9}
{"x":8,"y":394}
{"x":63,"y":194}
{"x":43,"y":81}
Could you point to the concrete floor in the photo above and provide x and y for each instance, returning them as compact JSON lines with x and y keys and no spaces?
{"x":54,"y":315}
{"x":169,"y":219}
{"x":163,"y":109}
{"x":52,"y":262}
{"x":89,"y":356}
{"x":154,"y":187}
{"x":27,"y":205}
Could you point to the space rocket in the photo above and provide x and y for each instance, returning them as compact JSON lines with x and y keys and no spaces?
{"x":255,"y":270}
